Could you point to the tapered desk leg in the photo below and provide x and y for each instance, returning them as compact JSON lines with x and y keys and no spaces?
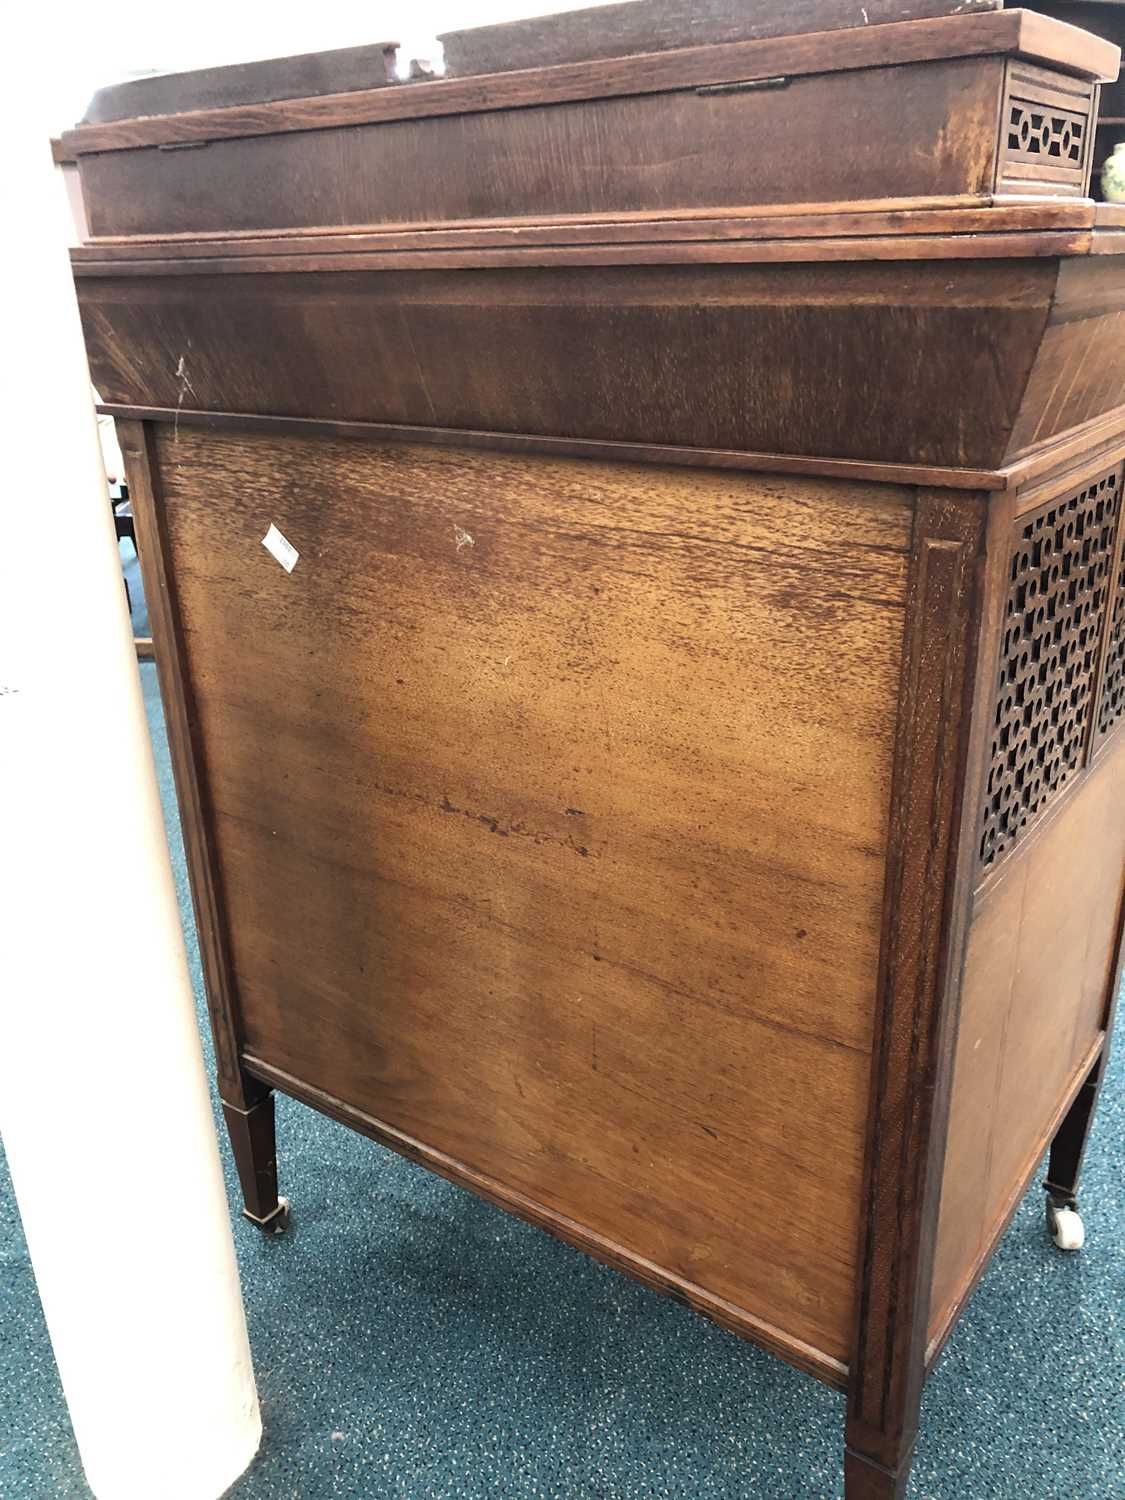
{"x":253,"y":1141}
{"x":866,"y":1480}
{"x":1065,"y":1166}
{"x":1069,"y":1145}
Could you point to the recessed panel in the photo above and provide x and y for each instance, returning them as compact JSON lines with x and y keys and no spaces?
{"x":551,"y":801}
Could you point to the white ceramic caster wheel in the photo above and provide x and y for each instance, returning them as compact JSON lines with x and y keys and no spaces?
{"x":1066,"y":1226}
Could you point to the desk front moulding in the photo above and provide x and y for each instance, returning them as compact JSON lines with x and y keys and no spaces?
{"x":678,"y":791}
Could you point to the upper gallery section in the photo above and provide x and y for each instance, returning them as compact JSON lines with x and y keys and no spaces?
{"x":656,"y":110}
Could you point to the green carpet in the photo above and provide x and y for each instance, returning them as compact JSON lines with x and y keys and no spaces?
{"x":410,"y":1340}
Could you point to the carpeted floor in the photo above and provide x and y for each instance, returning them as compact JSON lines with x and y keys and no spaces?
{"x":410,"y":1340}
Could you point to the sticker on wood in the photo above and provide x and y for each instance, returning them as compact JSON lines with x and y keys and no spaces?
{"x":1055,"y":616}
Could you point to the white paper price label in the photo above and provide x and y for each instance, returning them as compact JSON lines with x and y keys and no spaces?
{"x":280,"y":548}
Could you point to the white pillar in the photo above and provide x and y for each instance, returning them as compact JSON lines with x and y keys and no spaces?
{"x":103,"y":1102}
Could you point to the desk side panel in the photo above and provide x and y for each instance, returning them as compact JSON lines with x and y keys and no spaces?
{"x":550,"y":801}
{"x":1041,"y":960}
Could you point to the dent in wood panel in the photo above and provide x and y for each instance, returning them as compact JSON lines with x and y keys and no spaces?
{"x":563,"y":850}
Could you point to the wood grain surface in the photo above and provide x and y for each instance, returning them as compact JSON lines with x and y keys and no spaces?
{"x":984,"y":34}
{"x":873,"y":220}
{"x":661,"y":25}
{"x":1079,"y":370}
{"x":919,"y":970}
{"x":600,"y":156}
{"x":256,"y":82}
{"x":503,"y":720}
{"x":1042,"y":951}
{"x":758,"y":358}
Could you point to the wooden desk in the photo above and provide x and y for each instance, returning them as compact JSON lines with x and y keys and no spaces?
{"x":677,"y":791}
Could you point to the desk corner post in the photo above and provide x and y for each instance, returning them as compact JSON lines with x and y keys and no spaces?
{"x":925,"y":909}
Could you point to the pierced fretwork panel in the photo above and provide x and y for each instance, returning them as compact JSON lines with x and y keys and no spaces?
{"x":1059,"y":582}
{"x":1049,"y":134}
{"x":1111,"y":706}
{"x":1046,"y":125}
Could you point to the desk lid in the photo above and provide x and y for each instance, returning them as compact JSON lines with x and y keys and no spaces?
{"x":788,"y":55}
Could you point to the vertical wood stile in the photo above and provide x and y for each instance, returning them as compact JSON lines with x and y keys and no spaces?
{"x":142,"y":476}
{"x":923,"y":935}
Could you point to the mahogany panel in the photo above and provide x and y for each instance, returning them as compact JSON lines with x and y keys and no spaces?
{"x":505,"y":716}
{"x":751,"y":358}
{"x":1079,"y":370}
{"x":1042,"y":950}
{"x":807,"y":140}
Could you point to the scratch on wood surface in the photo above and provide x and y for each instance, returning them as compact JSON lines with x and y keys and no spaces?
{"x":185,"y":385}
{"x":461,"y":538}
{"x":499,"y":827}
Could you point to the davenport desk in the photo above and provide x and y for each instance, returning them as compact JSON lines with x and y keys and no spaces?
{"x":676,"y":791}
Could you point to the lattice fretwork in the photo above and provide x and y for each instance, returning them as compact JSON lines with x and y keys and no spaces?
{"x":1053,"y":135}
{"x":1054,"y":618}
{"x":1111,"y":706}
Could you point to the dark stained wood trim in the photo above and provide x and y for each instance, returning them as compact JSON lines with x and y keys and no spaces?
{"x":990,"y":1241}
{"x":1017,"y":245}
{"x":141,"y":472}
{"x":658,"y":25}
{"x":1086,"y":447}
{"x":302,"y":76}
{"x":924,"y":927}
{"x":813,"y":1361}
{"x":512,"y":442}
{"x":1019,"y":32}
{"x":1083,"y":448}
{"x":879,"y":219}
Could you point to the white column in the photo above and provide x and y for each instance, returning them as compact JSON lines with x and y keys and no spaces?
{"x":103,"y":1101}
